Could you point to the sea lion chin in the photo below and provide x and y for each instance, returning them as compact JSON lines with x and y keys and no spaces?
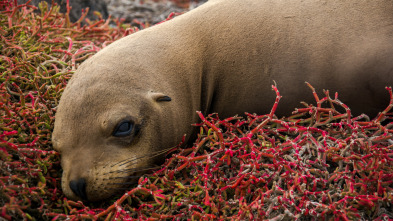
{"x":139,"y":95}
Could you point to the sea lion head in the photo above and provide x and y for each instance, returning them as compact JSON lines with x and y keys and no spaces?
{"x":109,"y":129}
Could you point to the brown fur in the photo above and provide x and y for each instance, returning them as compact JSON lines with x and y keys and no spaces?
{"x":221,"y":57}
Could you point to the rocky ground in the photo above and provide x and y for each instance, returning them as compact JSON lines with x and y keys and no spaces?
{"x":132,"y":11}
{"x":149,"y":11}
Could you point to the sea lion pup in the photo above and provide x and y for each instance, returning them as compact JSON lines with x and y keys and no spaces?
{"x":139,"y":95}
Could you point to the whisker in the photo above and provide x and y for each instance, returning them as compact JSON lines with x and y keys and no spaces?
{"x":119,"y":188}
{"x":121,"y":177}
{"x":124,"y":177}
{"x":137,"y":169}
{"x":125,"y":183}
{"x":132,"y":170}
{"x":149,"y":156}
{"x":135,"y":158}
{"x":123,"y":162}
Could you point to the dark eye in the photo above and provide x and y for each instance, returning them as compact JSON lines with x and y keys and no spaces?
{"x":123,"y":129}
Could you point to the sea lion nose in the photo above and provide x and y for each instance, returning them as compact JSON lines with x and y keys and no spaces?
{"x":79,"y":188}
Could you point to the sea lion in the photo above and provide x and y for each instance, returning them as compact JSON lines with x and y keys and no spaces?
{"x":139,"y":95}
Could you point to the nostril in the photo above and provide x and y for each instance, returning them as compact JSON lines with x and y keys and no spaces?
{"x":79,"y":188}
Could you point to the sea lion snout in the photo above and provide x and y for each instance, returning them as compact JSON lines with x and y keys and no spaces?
{"x":95,"y":181}
{"x":79,"y":188}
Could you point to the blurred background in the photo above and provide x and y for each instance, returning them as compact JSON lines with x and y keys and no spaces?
{"x":134,"y":12}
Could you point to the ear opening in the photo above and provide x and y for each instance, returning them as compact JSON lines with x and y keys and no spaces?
{"x":164,"y":98}
{"x":159,"y":97}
